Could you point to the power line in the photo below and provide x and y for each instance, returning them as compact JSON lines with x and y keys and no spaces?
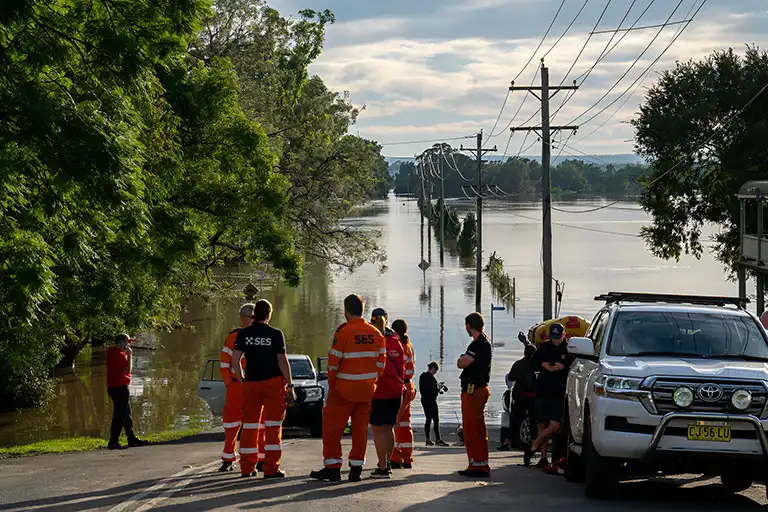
{"x":566,"y":29}
{"x":664,"y":51}
{"x":423,"y":141}
{"x":582,"y":228}
{"x":648,"y":47}
{"x":722,"y":127}
{"x":586,"y":43}
{"x":506,"y":97}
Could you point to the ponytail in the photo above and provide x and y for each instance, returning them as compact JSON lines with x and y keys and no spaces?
{"x":401,"y":328}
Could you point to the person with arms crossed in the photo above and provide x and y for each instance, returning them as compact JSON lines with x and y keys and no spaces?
{"x":267,"y":389}
{"x":553,"y":362}
{"x":232,"y":416}
{"x":476,"y":373}
{"x":119,"y":366}
{"x":356,"y":360}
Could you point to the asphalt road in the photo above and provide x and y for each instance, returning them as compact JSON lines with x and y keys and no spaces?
{"x":182,"y":476}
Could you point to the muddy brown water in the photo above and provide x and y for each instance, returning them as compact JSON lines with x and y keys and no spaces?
{"x":593,"y":253}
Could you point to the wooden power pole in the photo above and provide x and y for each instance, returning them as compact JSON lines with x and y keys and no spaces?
{"x":544,"y":132}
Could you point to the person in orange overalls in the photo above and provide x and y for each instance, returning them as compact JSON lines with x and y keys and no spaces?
{"x":232,"y":416}
{"x":402,"y":457}
{"x":267,"y":389}
{"x":355,"y":362}
{"x":475,"y":364}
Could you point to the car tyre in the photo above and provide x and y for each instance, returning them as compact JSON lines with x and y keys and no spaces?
{"x":735,"y":482}
{"x":574,"y":463}
{"x":316,"y":425}
{"x":600,"y":473}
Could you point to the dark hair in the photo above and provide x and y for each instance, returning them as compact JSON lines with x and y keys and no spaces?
{"x":400,"y":326}
{"x":529,"y":350}
{"x":261,"y":310}
{"x":354,"y":305}
{"x":121,"y":339}
{"x":433,"y":364}
{"x":475,"y":321}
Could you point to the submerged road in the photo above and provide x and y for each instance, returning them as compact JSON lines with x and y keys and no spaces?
{"x":182,"y":476}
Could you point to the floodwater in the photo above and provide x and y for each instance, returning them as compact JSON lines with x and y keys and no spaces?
{"x":593,"y":253}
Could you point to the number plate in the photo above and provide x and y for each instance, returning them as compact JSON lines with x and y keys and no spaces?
{"x":716,"y":433}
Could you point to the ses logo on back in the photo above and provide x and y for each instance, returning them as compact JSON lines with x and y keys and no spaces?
{"x":266,"y":342}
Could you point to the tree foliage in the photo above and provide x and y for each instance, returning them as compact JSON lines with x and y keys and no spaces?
{"x":701,"y":153}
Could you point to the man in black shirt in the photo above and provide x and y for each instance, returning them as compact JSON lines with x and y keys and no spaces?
{"x":267,"y":389}
{"x":523,"y":377}
{"x":476,"y":366}
{"x":430,"y":389}
{"x":553,"y":363}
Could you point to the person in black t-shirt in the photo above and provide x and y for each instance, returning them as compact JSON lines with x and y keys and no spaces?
{"x":267,"y":389}
{"x":553,"y":363}
{"x":476,"y":372}
{"x":430,"y":389}
{"x":523,"y":377}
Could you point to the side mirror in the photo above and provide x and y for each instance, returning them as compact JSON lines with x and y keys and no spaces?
{"x":581,"y":347}
{"x":322,"y":376}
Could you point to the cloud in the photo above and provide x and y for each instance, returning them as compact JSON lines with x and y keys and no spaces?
{"x":447,"y":74}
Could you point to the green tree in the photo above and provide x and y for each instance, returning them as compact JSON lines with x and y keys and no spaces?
{"x":699,"y":159}
{"x":468,"y":237}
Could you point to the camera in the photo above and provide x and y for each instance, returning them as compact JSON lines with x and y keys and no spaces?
{"x":441,"y":387}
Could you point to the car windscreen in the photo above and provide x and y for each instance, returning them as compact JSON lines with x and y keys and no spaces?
{"x":301,"y":369}
{"x":694,"y":334}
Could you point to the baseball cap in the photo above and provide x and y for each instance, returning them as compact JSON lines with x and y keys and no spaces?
{"x":247,"y":309}
{"x":555,"y":331}
{"x":379,"y":312}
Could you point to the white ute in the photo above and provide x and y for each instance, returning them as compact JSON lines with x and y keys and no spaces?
{"x":668,"y":384}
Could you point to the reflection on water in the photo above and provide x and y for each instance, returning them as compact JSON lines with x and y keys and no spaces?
{"x":434,"y":303}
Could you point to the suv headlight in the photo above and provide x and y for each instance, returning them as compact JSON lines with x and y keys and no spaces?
{"x":313,"y":394}
{"x":741,"y":399}
{"x":619,"y":387}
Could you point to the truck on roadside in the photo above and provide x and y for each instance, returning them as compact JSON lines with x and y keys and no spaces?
{"x":668,"y":384}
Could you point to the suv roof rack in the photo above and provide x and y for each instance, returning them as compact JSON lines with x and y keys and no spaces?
{"x":702,"y":300}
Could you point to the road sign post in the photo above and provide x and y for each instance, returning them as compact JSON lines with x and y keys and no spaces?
{"x":495,"y":308}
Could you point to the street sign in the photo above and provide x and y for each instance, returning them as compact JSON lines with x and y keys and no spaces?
{"x":423,"y":266}
{"x":498,"y":308}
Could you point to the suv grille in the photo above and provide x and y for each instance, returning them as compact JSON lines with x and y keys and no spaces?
{"x":663,"y":388}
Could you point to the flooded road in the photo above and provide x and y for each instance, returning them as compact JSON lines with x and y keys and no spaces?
{"x":593,"y":253}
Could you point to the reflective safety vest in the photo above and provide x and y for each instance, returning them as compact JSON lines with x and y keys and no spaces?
{"x":225,"y":365}
{"x":573,"y":325}
{"x":410,"y":361}
{"x":356,"y":360}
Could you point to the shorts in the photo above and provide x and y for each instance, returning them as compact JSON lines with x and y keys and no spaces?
{"x":384,"y":411}
{"x":549,"y":409}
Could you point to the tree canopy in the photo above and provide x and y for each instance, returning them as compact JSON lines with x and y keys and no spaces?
{"x":703,"y":148}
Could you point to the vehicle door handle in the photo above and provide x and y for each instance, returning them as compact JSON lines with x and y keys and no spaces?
{"x":205,"y":388}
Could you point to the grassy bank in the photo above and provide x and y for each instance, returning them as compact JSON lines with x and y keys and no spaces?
{"x":86,"y":444}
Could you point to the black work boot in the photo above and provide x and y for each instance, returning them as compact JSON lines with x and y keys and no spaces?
{"x":355,"y":474}
{"x":260,"y":466}
{"x":226,"y":466}
{"x":135,"y":441}
{"x":327,"y":474}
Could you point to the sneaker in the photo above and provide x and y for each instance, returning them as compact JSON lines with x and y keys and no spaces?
{"x":395,"y":465}
{"x":133,"y":443}
{"x":278,"y":474}
{"x":226,"y":466}
{"x":116,"y":446}
{"x":429,"y":443}
{"x":248,"y":475}
{"x":327,"y":474}
{"x":543,"y":462}
{"x":407,"y":465}
{"x":260,"y":466}
{"x":356,"y":474}
{"x":553,"y":468}
{"x":474,"y":473}
{"x":527,"y":456}
{"x":440,"y":442}
{"x":381,"y":473}
{"x":504,"y":448}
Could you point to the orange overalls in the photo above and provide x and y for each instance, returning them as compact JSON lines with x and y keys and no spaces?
{"x":232,"y":416}
{"x":403,"y":453}
{"x":355,"y":361}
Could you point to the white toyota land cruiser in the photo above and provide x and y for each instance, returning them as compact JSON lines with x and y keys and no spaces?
{"x":668,"y":384}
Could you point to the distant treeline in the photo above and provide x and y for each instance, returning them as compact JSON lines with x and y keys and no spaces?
{"x":520,"y":178}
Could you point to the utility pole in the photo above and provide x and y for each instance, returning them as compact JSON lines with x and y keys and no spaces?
{"x":421,"y":209}
{"x":429,"y":222}
{"x":544,"y":132}
{"x":479,"y":152}
{"x":442,"y":208}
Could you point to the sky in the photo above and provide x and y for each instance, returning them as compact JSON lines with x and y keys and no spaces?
{"x":438,"y":69}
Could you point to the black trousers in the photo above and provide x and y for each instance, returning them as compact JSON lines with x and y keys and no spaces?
{"x":121,"y":416}
{"x":432,"y":414}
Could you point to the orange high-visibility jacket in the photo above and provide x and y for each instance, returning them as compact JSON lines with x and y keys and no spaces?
{"x":225,"y":366}
{"x":356,"y":360}
{"x":410,"y":361}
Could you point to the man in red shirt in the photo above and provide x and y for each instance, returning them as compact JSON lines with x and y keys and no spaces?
{"x":119,"y":364}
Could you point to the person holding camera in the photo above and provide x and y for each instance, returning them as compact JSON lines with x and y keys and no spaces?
{"x":430,"y":389}
{"x":119,"y":366}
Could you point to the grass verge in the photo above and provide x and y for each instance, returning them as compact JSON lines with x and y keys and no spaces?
{"x":87,"y":444}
